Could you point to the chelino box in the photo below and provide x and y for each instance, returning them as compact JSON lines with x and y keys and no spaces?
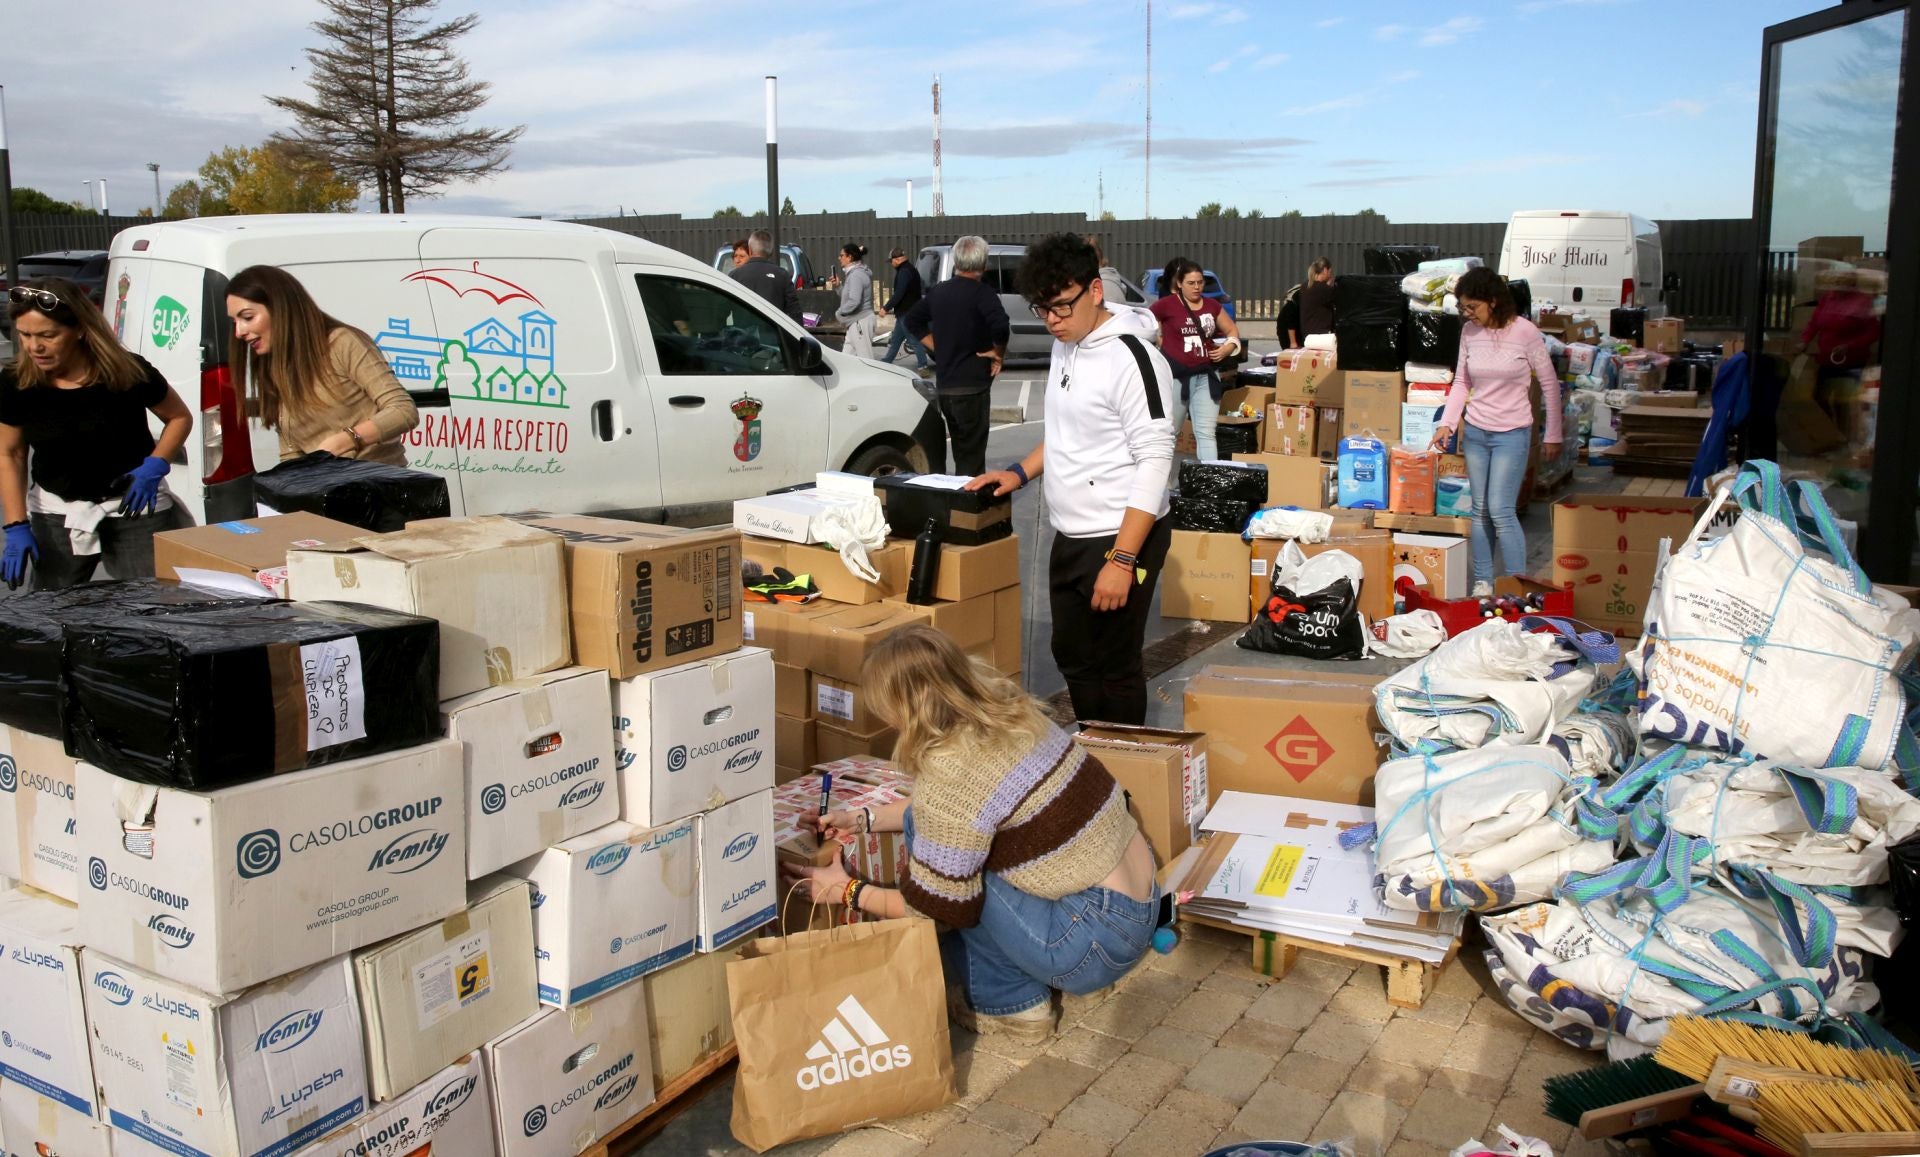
{"x":225,"y":889}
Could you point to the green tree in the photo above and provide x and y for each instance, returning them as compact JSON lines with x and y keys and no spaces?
{"x":1252,"y":213}
{"x":191,"y":199}
{"x":28,"y":200}
{"x":787,"y":209}
{"x":729,"y":211}
{"x":1108,"y":215}
{"x":1209,"y":211}
{"x":270,"y":178}
{"x":1292,"y":213}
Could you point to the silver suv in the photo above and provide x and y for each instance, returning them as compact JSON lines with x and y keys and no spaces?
{"x":1030,"y":337}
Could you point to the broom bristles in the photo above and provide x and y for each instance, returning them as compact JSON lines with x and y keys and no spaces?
{"x":1789,"y":1110}
{"x":1693,"y":1044}
{"x":1572,"y":1094}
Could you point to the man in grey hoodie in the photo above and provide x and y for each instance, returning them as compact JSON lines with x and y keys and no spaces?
{"x":855,"y":283}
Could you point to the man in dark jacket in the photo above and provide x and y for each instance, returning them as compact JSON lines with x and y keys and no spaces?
{"x":966,"y":327}
{"x":906,"y":294}
{"x":763,"y":275}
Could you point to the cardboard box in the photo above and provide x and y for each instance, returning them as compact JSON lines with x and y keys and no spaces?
{"x":1372,"y":408}
{"x":43,"y":1016}
{"x":1332,"y":422}
{"x":1310,"y":376}
{"x":1202,"y":578}
{"x":254,"y":548}
{"x":795,"y":745}
{"x":767,"y":553}
{"x":643,"y":597}
{"x":693,"y":737}
{"x":1250,"y":400}
{"x":37,"y":844}
{"x":1552,"y":322}
{"x":688,"y":1016}
{"x":497,"y":588}
{"x":1609,"y":592}
{"x":790,"y":691}
{"x":563,"y":1080}
{"x":841,"y":642}
{"x":1621,"y":523}
{"x":1310,"y":734}
{"x":1664,"y":334}
{"x":450,"y":1112}
{"x":837,"y":743}
{"x":970,"y":623}
{"x":793,"y":515}
{"x":1439,"y":562}
{"x":1293,"y":480}
{"x":266,"y":1071}
{"x":1183,"y":442}
{"x":1583,"y":329}
{"x":1418,"y":420}
{"x":1413,"y":477}
{"x":1164,"y":774}
{"x":32,"y":1123}
{"x":539,"y":767}
{"x":222,"y":890}
{"x":737,"y":888}
{"x":843,"y":704}
{"x":969,"y":571}
{"x":1291,"y":429}
{"x":789,"y":630}
{"x":432,"y":996}
{"x":611,"y":906}
{"x":1008,"y":631}
{"x":839,"y":585}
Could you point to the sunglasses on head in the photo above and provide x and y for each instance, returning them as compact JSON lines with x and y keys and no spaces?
{"x":43,"y":299}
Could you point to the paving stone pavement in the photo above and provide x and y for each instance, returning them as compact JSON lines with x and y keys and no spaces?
{"x":1195,"y":1050}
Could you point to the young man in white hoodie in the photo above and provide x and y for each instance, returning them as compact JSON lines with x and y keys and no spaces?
{"x":1108,"y":452}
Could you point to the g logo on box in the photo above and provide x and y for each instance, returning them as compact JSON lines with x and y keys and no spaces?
{"x":257,"y":853}
{"x":677,"y":758}
{"x":9,"y":774}
{"x":1299,"y":749}
{"x":535,"y":1120}
{"x":97,"y":873}
{"x":493,"y":798}
{"x":616,"y":946}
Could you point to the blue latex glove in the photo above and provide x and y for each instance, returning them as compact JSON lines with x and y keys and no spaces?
{"x":21,"y":546}
{"x":144,"y":494}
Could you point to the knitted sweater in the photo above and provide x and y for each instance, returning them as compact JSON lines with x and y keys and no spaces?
{"x":1050,"y":821}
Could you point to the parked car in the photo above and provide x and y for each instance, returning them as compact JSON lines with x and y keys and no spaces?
{"x":793,"y":259}
{"x":556,"y":366}
{"x":1150,"y":285}
{"x":86,"y":267}
{"x":1586,"y":261}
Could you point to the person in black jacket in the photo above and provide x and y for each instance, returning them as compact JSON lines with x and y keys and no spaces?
{"x":966,"y":327}
{"x":763,"y":275}
{"x":907,"y":291}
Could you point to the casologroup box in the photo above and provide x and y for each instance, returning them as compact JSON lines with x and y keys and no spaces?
{"x":254,"y":548}
{"x":497,"y":588}
{"x":43,"y":1048}
{"x":1608,"y":547}
{"x":37,"y":843}
{"x":33,"y":1124}
{"x":1165,"y":777}
{"x":562,"y":1080}
{"x":693,"y":737}
{"x":611,"y":906}
{"x":450,"y":1112}
{"x":737,"y":885}
{"x":1282,"y":733}
{"x":439,"y":992}
{"x":266,"y":1071}
{"x":644,"y":597}
{"x":538,"y":754}
{"x":225,"y":889}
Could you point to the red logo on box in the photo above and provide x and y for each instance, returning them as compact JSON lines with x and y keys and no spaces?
{"x":1299,"y":749}
{"x":1573,"y":561}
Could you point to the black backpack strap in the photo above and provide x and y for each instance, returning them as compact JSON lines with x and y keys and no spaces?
{"x":1148,"y":379}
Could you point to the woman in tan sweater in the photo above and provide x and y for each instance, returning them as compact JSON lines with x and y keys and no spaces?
{"x":1016,"y":838}
{"x":315,"y":380}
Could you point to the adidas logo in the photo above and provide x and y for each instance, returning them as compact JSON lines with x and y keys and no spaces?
{"x":850,"y":1048}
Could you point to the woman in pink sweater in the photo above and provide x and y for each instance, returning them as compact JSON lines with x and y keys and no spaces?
{"x":1500,"y":355}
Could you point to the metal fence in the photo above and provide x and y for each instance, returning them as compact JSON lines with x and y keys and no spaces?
{"x":1257,"y":259}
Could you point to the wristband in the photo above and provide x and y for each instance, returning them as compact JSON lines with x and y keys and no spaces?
{"x":867,"y":827}
{"x":1021,"y":471}
{"x":846,"y":893}
{"x":22,"y":522}
{"x":359,"y":443}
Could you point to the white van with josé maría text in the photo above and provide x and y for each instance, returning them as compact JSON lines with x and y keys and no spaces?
{"x":1586,"y":261}
{"x":556,"y":366}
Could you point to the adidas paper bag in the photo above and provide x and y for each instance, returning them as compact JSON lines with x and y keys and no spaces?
{"x":838,"y":1028}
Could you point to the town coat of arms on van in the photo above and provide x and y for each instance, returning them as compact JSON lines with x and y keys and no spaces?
{"x":747,"y":446}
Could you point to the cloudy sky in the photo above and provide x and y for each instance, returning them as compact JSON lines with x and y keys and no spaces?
{"x":1426,"y":112}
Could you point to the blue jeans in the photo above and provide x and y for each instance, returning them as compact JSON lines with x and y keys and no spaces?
{"x":1202,"y":406}
{"x":1024,"y":945}
{"x":1496,"y":464}
{"x":901,"y":336}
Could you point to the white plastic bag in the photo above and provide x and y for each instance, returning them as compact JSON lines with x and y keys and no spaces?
{"x":1307,"y":526}
{"x":1305,"y":576}
{"x":853,"y":529}
{"x":1407,"y":636}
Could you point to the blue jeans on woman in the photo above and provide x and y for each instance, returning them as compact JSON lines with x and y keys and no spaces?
{"x":1025,"y":945}
{"x":1196,"y":395}
{"x":1496,"y":465}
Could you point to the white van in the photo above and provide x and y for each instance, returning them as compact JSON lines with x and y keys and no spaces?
{"x":1586,"y":261}
{"x":556,"y":366}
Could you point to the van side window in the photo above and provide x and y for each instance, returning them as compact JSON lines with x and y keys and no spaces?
{"x":1002,"y":271}
{"x":700,"y":330}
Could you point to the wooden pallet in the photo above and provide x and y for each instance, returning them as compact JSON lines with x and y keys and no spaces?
{"x":1409,"y":982}
{"x":1422,"y":523}
{"x":670,"y":1102}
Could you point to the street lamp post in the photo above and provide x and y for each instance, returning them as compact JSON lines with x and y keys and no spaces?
{"x":773,"y":164}
{"x":6,"y":198}
{"x":86,"y":196}
{"x":154,"y":168}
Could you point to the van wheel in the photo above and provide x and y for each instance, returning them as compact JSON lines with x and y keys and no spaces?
{"x":879,"y":461}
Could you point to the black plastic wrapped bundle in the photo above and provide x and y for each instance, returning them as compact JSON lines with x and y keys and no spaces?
{"x":236,"y":693}
{"x":1237,"y":437}
{"x":1432,"y":338}
{"x":1399,"y":260}
{"x":370,"y":495}
{"x":1628,"y":323}
{"x":1903,"y":862}
{"x":1368,"y":299}
{"x":1369,"y":347}
{"x":32,"y":646}
{"x":1522,"y":296}
{"x":1220,"y":515}
{"x":1237,"y":481}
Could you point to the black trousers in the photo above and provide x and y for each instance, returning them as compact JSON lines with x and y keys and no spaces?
{"x":965,"y":417}
{"x":1099,"y":651}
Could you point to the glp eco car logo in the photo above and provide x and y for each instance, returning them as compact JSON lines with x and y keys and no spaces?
{"x":257,"y":853}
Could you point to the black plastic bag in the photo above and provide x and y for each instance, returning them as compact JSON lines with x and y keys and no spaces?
{"x":1369,"y":347}
{"x":1238,"y":437}
{"x":1240,"y":481}
{"x":1368,"y":299}
{"x":1628,"y":323}
{"x":1522,"y":296}
{"x":1218,"y":515}
{"x":32,"y":646}
{"x":1323,"y":625}
{"x":1398,"y":260}
{"x":1432,"y":339}
{"x":370,"y":495}
{"x":1903,"y":863}
{"x":236,"y":693}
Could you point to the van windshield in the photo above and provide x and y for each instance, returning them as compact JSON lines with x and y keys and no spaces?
{"x":700,"y":330}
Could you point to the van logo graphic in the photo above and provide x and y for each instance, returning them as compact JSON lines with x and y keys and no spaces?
{"x":9,"y":774}
{"x":607,"y":860}
{"x":169,"y":322}
{"x":471,"y":280}
{"x":507,"y":357}
{"x":747,"y":446}
{"x":257,"y":853}
{"x":741,"y":847}
{"x":1299,"y":749}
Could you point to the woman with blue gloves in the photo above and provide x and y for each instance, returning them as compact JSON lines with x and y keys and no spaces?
{"x":78,"y":401}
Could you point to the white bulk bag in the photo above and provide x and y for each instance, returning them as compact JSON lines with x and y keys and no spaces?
{"x":1494,"y":684}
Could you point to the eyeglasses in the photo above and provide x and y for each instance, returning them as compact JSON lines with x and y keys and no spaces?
{"x":45,"y":299}
{"x":1059,"y":309}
